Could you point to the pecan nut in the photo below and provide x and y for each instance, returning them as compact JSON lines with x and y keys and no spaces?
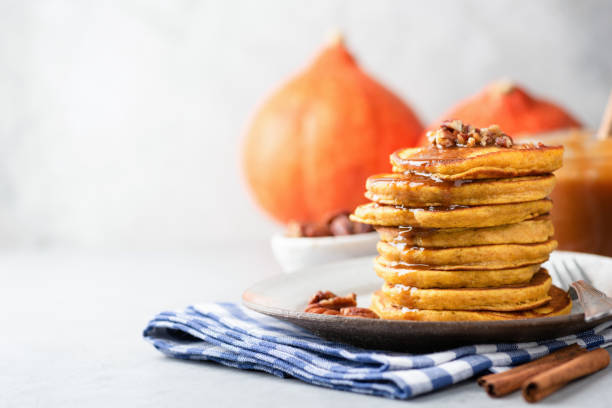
{"x":313,"y":229}
{"x":335,"y":224}
{"x":328,"y":303}
{"x":358,"y":312}
{"x":455,"y":133}
{"x":444,"y":138}
{"x":359,"y":228}
{"x":321,"y":295}
{"x":341,"y":225}
{"x":339,"y":302}
{"x":321,"y":310}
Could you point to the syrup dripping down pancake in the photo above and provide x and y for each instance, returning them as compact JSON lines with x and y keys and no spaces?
{"x":507,"y":298}
{"x":539,"y":229}
{"x":450,"y":217}
{"x":421,"y":191}
{"x":426,"y":277}
{"x":480,"y":257}
{"x":469,"y":163}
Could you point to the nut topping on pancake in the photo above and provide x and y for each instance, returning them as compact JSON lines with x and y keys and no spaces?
{"x":454,"y":133}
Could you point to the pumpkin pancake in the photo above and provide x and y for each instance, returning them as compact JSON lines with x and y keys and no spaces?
{"x":559,"y":304}
{"x":450,"y":217}
{"x":419,"y":191}
{"x":538,"y":229}
{"x":502,"y":256}
{"x":468,"y":163}
{"x":508,"y":298}
{"x":423,"y":277}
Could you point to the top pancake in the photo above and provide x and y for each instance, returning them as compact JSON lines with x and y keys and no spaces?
{"x":470,"y":163}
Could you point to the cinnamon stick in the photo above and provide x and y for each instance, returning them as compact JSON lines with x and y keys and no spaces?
{"x":498,"y":385}
{"x":544,"y":384}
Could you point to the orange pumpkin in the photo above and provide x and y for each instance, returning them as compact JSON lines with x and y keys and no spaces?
{"x":313,"y":142}
{"x":512,"y":108}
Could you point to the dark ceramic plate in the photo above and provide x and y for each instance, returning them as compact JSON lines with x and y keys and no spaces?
{"x":285,"y":296}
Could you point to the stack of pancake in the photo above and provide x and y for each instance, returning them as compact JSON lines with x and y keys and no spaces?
{"x":464,"y":228}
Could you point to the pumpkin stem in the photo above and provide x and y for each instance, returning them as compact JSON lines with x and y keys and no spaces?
{"x":605,"y":129}
{"x":503,"y":86}
{"x":335,"y":37}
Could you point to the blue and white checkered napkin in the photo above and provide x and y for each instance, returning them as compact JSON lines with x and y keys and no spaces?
{"x":237,"y":337}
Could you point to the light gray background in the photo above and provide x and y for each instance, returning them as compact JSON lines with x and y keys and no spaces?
{"x":121,"y":121}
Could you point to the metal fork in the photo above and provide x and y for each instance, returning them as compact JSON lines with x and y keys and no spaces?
{"x":595,"y":303}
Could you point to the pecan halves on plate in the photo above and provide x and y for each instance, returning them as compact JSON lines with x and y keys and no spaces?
{"x":339,"y":302}
{"x":330,"y":301}
{"x":321,"y":295}
{"x":358,"y":312}
{"x":326,"y":302}
{"x":321,"y":310}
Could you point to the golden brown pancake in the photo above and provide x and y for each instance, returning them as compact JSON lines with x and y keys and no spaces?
{"x":424,"y":277}
{"x":420,"y":191}
{"x":451,"y":217}
{"x":538,"y":229}
{"x":468,"y":163}
{"x":508,"y":298}
{"x":502,"y":256}
{"x":559,"y":304}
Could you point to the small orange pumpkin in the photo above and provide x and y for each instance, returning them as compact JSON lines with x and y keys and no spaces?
{"x":313,"y":143}
{"x":512,"y":108}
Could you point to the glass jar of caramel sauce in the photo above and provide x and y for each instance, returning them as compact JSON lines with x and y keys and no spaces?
{"x":582,"y":197}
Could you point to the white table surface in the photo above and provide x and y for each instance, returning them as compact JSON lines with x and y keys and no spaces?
{"x":70,"y":336}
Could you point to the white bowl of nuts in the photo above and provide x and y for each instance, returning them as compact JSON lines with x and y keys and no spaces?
{"x":308,"y":244}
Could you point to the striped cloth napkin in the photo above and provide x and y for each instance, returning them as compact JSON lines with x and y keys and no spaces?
{"x":237,"y":337}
